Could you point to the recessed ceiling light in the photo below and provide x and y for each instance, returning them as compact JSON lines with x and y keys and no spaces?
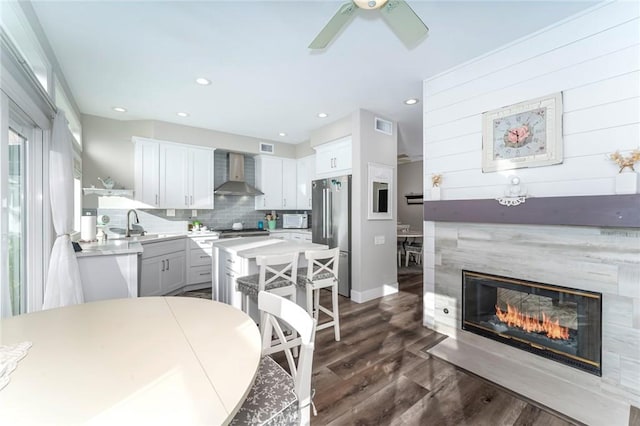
{"x":283,"y":134}
{"x":183,"y":114}
{"x":323,"y":115}
{"x":119,"y":109}
{"x":203,"y":81}
{"x":411,"y":101}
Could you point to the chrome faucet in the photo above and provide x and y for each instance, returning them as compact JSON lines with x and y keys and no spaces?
{"x":128,"y":233}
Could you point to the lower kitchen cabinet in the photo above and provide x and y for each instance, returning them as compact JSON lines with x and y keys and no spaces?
{"x":230,"y":267}
{"x":162,"y":268}
{"x":200,"y":259}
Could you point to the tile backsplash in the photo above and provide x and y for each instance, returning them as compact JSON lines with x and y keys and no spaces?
{"x":227,"y":208}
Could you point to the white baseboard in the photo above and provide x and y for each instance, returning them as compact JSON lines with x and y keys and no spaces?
{"x":374,"y":293}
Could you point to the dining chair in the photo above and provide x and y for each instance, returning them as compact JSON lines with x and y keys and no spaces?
{"x":415,"y":252}
{"x":322,"y":273}
{"x":401,"y":244}
{"x":278,"y":397}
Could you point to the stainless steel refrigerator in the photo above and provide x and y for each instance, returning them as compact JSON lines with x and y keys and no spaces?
{"x":331,"y":222}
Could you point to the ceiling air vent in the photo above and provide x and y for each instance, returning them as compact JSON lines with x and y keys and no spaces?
{"x":266,"y":148}
{"x":384,"y":126}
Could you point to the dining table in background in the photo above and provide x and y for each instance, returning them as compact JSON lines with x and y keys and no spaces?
{"x":152,"y":360}
{"x":405,"y":234}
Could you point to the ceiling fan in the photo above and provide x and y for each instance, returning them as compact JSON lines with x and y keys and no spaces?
{"x":398,"y":14}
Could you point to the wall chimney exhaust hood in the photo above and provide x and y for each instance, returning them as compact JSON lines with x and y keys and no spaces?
{"x":236,"y":184}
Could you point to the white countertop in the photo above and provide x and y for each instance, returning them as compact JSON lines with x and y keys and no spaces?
{"x":109,"y":248}
{"x":250,"y":247}
{"x":150,"y":360}
{"x":116,"y":246}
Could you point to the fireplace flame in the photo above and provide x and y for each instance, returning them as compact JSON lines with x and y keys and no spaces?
{"x":532,"y":324}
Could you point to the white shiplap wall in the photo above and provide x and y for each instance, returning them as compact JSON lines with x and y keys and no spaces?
{"x":593,"y":58}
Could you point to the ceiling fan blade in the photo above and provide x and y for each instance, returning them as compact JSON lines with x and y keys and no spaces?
{"x":403,"y":20}
{"x":333,"y":27}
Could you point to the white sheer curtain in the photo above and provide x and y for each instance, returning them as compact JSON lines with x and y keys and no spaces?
{"x":63,"y":287}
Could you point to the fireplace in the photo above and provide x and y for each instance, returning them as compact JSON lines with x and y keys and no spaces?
{"x":558,"y":323}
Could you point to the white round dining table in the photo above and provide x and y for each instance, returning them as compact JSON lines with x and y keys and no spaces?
{"x":152,"y":360}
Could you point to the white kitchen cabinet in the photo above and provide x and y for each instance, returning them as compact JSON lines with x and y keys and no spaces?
{"x":280,"y":235}
{"x":175,"y":272}
{"x":305,"y":174}
{"x":200,"y":259}
{"x":289,"y":178}
{"x":147,"y":171}
{"x":200,"y":178}
{"x":174,"y":187}
{"x":171,"y":175}
{"x":301,"y":236}
{"x":163,"y":267}
{"x":276,"y":177}
{"x":269,"y":181}
{"x":333,"y":158}
{"x":151,"y":276}
{"x":230,"y":268}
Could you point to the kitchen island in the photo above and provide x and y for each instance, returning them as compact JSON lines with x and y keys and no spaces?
{"x":236,"y":257}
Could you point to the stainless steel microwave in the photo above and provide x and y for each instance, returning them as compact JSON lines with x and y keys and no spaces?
{"x":295,"y":221}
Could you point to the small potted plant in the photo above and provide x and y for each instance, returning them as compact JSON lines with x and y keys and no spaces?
{"x":271,"y":220}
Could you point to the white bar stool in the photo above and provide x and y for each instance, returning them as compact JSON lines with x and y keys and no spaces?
{"x":322,"y":272}
{"x":277,"y":275}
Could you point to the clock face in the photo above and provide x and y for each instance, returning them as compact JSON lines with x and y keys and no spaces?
{"x":520,"y":135}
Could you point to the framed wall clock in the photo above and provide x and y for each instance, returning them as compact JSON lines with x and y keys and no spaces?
{"x":527,"y":134}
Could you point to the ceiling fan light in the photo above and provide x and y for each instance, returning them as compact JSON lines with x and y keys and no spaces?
{"x":370,"y":4}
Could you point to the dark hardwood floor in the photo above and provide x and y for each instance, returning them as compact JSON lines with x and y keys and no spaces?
{"x":380,"y":373}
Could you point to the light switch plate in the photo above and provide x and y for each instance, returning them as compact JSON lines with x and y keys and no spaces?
{"x":378,"y":240}
{"x":194,"y":213}
{"x":171,"y":212}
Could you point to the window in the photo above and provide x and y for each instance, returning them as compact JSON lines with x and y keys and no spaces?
{"x":16,"y":24}
{"x":77,"y":190}
{"x":16,"y":221}
{"x":73,"y":120}
{"x":24,"y":214}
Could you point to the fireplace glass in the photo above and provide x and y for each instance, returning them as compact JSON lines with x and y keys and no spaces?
{"x":558,"y":323}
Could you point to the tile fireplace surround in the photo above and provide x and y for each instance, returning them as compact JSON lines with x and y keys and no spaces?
{"x":598,"y":259}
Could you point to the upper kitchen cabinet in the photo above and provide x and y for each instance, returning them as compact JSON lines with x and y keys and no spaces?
{"x":174,"y":185}
{"x":289,"y":177}
{"x":276,"y":178}
{"x":171,"y":175}
{"x":201,"y":180}
{"x":306,"y":172}
{"x":147,"y":171}
{"x":333,"y":158}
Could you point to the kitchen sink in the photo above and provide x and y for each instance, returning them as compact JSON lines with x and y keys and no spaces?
{"x":144,"y":237}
